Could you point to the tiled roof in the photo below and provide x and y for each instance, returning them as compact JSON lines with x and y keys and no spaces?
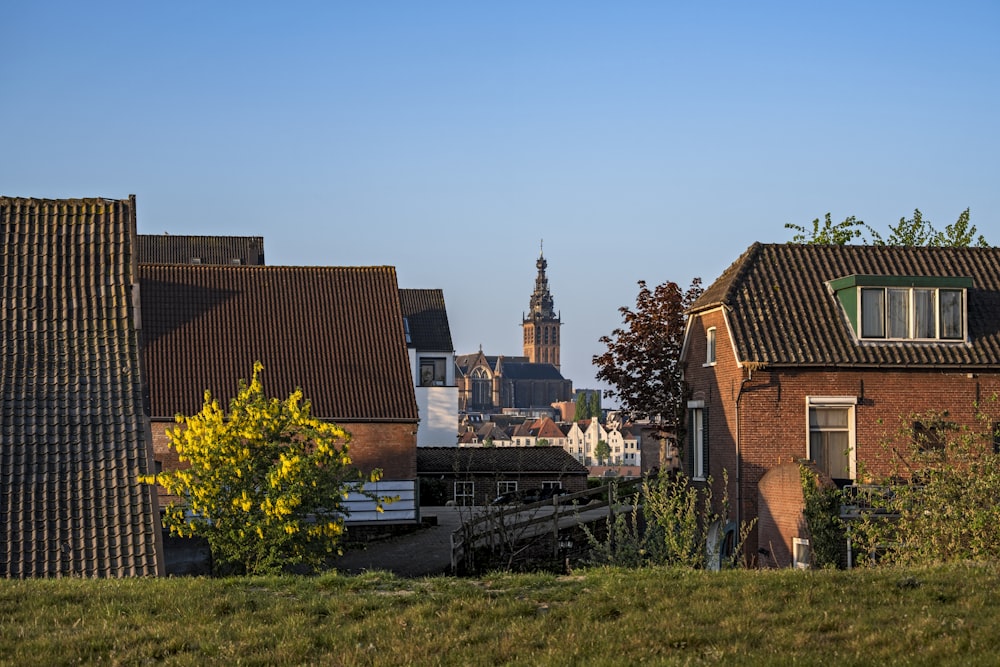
{"x":336,"y":332}
{"x":74,"y":436}
{"x":515,"y":370}
{"x":546,"y":428}
{"x":782,"y":313}
{"x":555,"y":460}
{"x":425,"y":312}
{"x":491,"y":430}
{"x":466,"y":362}
{"x":170,"y":249}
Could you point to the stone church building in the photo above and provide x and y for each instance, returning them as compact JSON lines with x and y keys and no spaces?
{"x":489,"y":384}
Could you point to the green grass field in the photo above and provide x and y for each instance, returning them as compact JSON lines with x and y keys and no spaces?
{"x":943,"y":615}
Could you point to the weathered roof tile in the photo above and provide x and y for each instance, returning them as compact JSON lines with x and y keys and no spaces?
{"x":553,"y":460}
{"x":425,"y":312}
{"x":336,"y":332}
{"x":171,"y":249}
{"x":74,"y":437}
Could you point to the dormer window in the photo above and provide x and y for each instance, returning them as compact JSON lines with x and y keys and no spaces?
{"x":898,"y":308}
{"x":710,"y":346}
{"x":914,"y":313}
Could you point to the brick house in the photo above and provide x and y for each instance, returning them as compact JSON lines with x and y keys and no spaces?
{"x":477,"y":475}
{"x":820,"y":353}
{"x":336,"y":332}
{"x":75,"y":434}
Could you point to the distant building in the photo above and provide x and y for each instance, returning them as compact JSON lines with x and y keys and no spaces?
{"x":542,"y":324}
{"x":493,"y":384}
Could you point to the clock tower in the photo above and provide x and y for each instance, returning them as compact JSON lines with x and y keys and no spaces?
{"x":541,"y":325}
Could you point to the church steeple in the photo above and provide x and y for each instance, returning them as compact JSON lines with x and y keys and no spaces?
{"x":541,"y":298}
{"x":541,"y":326}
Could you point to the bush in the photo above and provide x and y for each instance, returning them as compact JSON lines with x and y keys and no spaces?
{"x":672,"y":522}
{"x":265,"y":484}
{"x":822,"y":515}
{"x":940,"y":504}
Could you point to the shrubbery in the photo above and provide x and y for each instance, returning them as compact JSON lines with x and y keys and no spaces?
{"x":265,"y":484}
{"x":941,"y":502}
{"x":672,"y":522}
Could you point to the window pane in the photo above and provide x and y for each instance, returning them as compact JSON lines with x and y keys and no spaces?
{"x":951,"y":313}
{"x":873,"y":313}
{"x":697,"y":424}
{"x":923,"y":311}
{"x":822,"y":418}
{"x":829,"y":440}
{"x":836,"y":456}
{"x":816,"y":452}
{"x":899,"y":313}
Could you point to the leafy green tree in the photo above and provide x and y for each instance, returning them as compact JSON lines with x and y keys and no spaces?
{"x":594,"y":406}
{"x":828,"y":232}
{"x":602,"y":452}
{"x":915,"y":231}
{"x":582,"y":408}
{"x":960,"y":234}
{"x":542,"y":442}
{"x":642,"y":361}
{"x":265,"y":481}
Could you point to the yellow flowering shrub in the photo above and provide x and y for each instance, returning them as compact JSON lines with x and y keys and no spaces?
{"x":266,"y":483}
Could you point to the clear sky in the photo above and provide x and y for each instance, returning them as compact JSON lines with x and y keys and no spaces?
{"x":640,"y":140}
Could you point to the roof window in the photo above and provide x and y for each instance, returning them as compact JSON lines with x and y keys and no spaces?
{"x":898,"y":308}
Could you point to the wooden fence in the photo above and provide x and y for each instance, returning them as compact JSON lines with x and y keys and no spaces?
{"x":502,"y":527}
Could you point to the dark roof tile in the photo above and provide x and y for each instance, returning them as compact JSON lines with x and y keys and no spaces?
{"x":425,"y":312}
{"x":336,"y":332}
{"x":170,"y":249}
{"x":555,"y":460}
{"x":75,"y":436}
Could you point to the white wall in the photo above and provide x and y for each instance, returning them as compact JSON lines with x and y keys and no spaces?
{"x":438,"y":406}
{"x":438,"y":416}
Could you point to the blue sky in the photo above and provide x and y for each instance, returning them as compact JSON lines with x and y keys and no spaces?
{"x":640,"y":140}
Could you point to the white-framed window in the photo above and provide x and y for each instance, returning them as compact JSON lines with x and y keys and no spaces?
{"x":432,"y":372}
{"x":506,"y":486}
{"x":710,"y":346}
{"x":831,"y":441}
{"x":912,"y":313}
{"x":551,"y":485}
{"x":698,"y":439}
{"x":465,"y":493}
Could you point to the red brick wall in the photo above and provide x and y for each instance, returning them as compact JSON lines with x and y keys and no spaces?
{"x":780,"y":503}
{"x":717,"y":386}
{"x":392,"y":447}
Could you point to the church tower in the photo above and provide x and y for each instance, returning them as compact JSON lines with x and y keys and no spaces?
{"x":541,"y":326}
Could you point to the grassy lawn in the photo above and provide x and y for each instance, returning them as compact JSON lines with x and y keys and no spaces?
{"x":944,"y":615}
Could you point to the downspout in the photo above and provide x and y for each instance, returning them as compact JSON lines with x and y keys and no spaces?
{"x":739,"y":455}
